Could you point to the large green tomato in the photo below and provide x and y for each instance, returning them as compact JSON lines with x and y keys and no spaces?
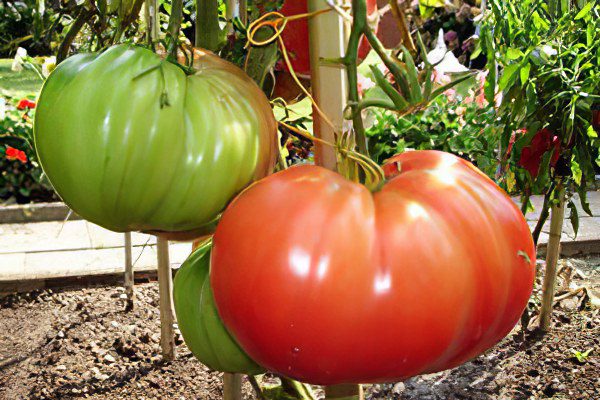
{"x":131,"y":142}
{"x":199,"y":322}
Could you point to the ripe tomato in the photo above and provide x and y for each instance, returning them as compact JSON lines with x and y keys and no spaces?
{"x":130,"y":142}
{"x":199,"y":322}
{"x":321,"y":280}
{"x":295,"y":36}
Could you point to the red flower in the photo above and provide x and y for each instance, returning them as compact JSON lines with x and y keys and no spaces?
{"x":25,"y":104}
{"x":15,"y":154}
{"x":531,"y":156}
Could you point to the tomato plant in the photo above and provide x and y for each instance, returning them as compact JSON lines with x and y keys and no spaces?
{"x":131,"y":142}
{"x":199,"y":322}
{"x":323,"y":281}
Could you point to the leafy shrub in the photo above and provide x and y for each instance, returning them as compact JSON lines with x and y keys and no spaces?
{"x":462,"y":124}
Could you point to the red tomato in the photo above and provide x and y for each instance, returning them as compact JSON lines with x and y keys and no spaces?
{"x":321,"y":280}
{"x":295,"y":35}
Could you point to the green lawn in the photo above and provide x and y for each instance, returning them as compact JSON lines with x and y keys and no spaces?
{"x":17,"y":84}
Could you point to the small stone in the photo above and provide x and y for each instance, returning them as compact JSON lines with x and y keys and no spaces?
{"x":114,"y":324}
{"x":398,"y":388}
{"x":61,"y":368}
{"x":109,"y":358}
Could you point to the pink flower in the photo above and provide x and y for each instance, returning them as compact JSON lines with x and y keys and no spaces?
{"x":364,"y":83}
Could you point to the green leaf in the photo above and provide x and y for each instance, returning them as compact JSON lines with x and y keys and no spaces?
{"x":523,"y":254}
{"x":508,"y":76}
{"x":432,"y":3}
{"x":591,"y":132}
{"x":583,"y":201}
{"x":262,"y":59}
{"x":584,"y":11}
{"x":574,"y":217}
{"x":413,"y":76}
{"x":524,"y":72}
{"x":513,"y":54}
{"x":399,"y":101}
{"x":576,"y":171}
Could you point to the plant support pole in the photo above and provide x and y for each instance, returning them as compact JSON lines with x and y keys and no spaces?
{"x":232,"y":386}
{"x":128,"y":277}
{"x":344,"y":392}
{"x":552,"y":255}
{"x":165,"y":291}
{"x":151,"y":12}
{"x":327,"y":39}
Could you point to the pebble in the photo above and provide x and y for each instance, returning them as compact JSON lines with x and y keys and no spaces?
{"x":109,"y":358}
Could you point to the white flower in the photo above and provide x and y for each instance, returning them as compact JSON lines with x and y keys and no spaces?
{"x":445,"y":61}
{"x":48,"y":65}
{"x":549,"y":50}
{"x":2,"y":108}
{"x":17,"y":64}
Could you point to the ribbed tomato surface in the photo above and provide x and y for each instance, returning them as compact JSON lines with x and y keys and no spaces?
{"x":320,"y":280}
{"x":131,"y":142}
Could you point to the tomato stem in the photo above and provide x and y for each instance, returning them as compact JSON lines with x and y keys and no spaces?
{"x":359,"y":26}
{"x":208,"y":32}
{"x":174,"y":27}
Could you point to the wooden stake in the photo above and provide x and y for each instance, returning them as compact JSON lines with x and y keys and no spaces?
{"x":328,"y":37}
{"x":165,"y":289}
{"x":344,"y":392}
{"x":232,"y":386}
{"x":128,"y":277}
{"x":552,"y":256}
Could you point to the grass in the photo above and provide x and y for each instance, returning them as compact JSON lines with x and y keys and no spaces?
{"x":17,"y":84}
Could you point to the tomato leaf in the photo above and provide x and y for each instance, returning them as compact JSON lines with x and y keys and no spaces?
{"x":574,"y":217}
{"x":584,"y":11}
{"x":523,"y":254}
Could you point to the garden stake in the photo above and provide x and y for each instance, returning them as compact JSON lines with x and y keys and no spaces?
{"x":128,"y":277}
{"x":344,"y":392}
{"x":165,"y":291}
{"x":552,"y":255}
{"x":327,"y":40}
{"x":232,"y":386}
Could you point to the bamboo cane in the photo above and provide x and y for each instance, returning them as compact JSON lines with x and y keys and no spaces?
{"x":344,"y":392}
{"x":128,"y":276}
{"x":165,"y":289}
{"x":327,"y":37}
{"x":232,"y":386}
{"x":552,"y":256}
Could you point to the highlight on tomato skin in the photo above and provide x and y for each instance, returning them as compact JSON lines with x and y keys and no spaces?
{"x":346,"y":286}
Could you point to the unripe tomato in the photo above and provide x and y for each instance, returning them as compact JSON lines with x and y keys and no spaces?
{"x":321,"y":280}
{"x":199,"y":322}
{"x":130,"y":142}
{"x":295,"y":36}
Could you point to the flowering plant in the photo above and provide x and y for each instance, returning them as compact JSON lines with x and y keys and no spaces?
{"x":21,"y":177}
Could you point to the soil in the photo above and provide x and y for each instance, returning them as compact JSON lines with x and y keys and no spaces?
{"x":81,"y":343}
